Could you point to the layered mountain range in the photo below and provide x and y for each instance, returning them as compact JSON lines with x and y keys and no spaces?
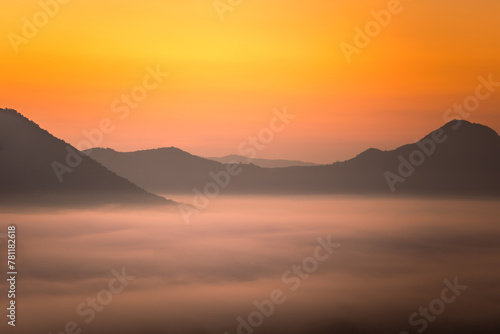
{"x":458,"y":159}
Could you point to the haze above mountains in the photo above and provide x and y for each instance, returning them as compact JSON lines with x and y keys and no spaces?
{"x":459,"y":159}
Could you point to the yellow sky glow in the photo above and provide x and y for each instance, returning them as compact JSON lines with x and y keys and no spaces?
{"x":226,"y":76}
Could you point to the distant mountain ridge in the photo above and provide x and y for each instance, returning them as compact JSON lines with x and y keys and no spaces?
{"x":27,"y":176}
{"x":162,"y":170}
{"x":265,"y":163}
{"x":465,"y":161}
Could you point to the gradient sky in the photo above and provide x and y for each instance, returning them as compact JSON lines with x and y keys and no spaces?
{"x":226,"y":76}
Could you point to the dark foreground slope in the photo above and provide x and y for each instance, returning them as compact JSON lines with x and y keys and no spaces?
{"x":461,"y":158}
{"x":29,"y":157}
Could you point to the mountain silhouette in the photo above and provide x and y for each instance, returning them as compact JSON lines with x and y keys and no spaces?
{"x":458,"y":159}
{"x":29,"y":158}
{"x":159,"y":170}
{"x":266,"y":163}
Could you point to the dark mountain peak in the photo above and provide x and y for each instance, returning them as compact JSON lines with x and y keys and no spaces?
{"x":462,"y":137}
{"x":172,"y":150}
{"x":370,"y":156}
{"x":454,"y":122}
{"x":165,"y":150}
{"x":37,"y":168}
{"x":102,"y":149}
{"x":12,"y":112}
{"x":12,"y":115}
{"x":369,"y":153}
{"x":159,"y":150}
{"x":466,"y":128}
{"x":166,"y":165}
{"x":11,"y":121}
{"x":18,"y":132}
{"x":172,"y":153}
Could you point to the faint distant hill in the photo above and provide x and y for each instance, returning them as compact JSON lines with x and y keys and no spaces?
{"x":265,"y":163}
{"x":27,"y":177}
{"x":465,"y":163}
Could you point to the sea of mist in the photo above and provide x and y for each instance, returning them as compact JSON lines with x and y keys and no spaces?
{"x":393,"y":257}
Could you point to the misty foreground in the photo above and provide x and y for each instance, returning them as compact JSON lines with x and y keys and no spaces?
{"x":394,"y":257}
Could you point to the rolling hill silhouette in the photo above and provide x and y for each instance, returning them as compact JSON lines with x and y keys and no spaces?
{"x":266,"y":163}
{"x":458,"y":159}
{"x":27,"y":176}
{"x":160,"y":170}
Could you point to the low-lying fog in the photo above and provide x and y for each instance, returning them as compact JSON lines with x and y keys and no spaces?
{"x":393,"y":258}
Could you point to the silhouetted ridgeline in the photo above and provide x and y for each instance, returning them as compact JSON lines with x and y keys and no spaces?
{"x":459,"y":159}
{"x":266,"y":163}
{"x":27,"y":176}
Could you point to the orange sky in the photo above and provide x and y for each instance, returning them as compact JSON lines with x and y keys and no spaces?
{"x":226,"y":76}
